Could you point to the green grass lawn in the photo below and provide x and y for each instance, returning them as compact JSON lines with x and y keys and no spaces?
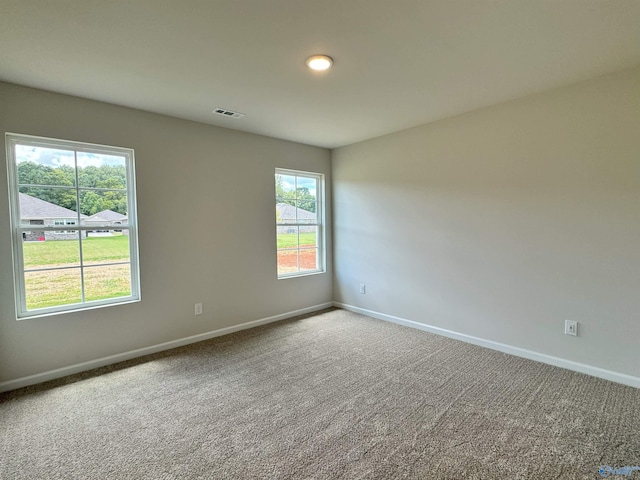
{"x":106,"y":249}
{"x":63,"y":287}
{"x":66,"y":252}
{"x":288,"y":240}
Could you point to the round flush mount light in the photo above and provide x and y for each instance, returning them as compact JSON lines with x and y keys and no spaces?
{"x":319,"y":62}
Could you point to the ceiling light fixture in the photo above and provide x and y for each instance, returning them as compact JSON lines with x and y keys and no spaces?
{"x":319,"y":62}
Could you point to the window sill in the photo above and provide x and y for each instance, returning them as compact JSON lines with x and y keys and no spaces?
{"x":298,"y":275}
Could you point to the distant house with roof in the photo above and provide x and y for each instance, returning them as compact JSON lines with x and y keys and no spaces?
{"x":37,"y":212}
{"x":286,"y":213}
{"x":106,"y":217}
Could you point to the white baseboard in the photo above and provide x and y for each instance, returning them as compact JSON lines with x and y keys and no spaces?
{"x":120,"y":357}
{"x":501,"y":347}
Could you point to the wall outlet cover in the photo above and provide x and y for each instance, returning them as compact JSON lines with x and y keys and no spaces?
{"x":571,"y":327}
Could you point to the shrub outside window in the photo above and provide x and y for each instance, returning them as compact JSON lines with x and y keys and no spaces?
{"x":73,"y":224}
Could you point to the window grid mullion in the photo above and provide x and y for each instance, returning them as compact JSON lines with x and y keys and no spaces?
{"x":62,"y":187}
{"x":79,"y":219}
{"x":50,"y":228}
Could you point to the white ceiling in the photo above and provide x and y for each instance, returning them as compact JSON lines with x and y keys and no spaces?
{"x":398,"y":63}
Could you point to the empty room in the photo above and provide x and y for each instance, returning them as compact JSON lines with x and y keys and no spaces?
{"x":328,"y":239}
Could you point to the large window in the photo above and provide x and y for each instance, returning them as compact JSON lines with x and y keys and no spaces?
{"x":73,"y":224}
{"x":299,"y":223}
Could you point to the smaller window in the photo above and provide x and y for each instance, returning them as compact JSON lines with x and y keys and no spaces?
{"x":299,"y":223}
{"x":64,"y":223}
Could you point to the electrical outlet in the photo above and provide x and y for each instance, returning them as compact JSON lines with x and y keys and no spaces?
{"x":363,"y":288}
{"x":198,"y":309}
{"x":571,"y":328}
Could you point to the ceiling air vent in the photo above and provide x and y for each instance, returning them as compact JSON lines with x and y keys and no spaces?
{"x":228,"y":113}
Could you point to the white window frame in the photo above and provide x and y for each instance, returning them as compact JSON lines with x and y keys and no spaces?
{"x":320,"y":224}
{"x":13,"y":139}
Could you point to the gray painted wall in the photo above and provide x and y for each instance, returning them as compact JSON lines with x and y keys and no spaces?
{"x":504,"y":222}
{"x":206,"y":228}
{"x":500,"y":224}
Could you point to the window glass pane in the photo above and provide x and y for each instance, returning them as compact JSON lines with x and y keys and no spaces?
{"x":98,"y":170}
{"x":285,"y":186}
{"x":50,"y":249}
{"x":107,"y":282}
{"x":306,"y":211}
{"x":43,"y":205}
{"x":287,"y":237}
{"x":308,"y":259}
{"x":308,"y":237}
{"x":285,"y":213}
{"x":108,"y":246}
{"x":104,"y":207}
{"x":306,"y":188}
{"x":287,"y":261}
{"x":45,"y":166}
{"x":52,"y":288}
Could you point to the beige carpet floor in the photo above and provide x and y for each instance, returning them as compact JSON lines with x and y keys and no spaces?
{"x":335,"y":395}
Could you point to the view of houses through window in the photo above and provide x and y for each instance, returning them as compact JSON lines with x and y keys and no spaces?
{"x":73,"y":219}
